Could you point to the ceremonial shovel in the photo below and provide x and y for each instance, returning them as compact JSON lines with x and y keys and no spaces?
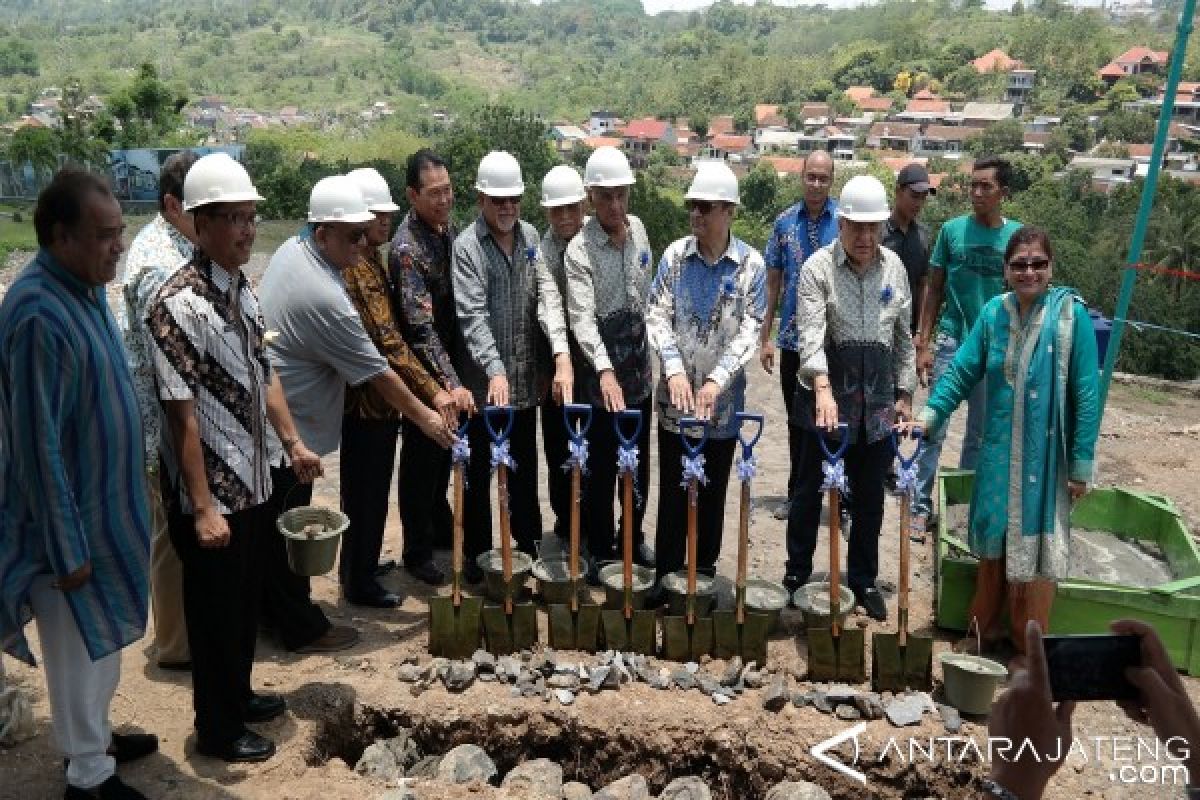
{"x":454,"y":620}
{"x":689,"y":637}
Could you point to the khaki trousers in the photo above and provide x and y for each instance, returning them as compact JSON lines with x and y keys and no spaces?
{"x":166,"y":586}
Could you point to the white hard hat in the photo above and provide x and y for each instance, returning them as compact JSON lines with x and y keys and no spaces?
{"x":561,"y":186}
{"x":374,"y":189}
{"x":608,"y":166}
{"x":499,"y":175}
{"x":714,"y":181}
{"x":217,"y":178}
{"x":337,"y":199}
{"x":863,"y":199}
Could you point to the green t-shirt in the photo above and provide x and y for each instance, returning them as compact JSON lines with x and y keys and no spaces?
{"x":973,"y":257}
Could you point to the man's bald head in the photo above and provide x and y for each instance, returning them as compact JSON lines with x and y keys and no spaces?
{"x":818,"y":178}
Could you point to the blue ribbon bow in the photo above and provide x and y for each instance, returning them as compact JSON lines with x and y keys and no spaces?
{"x":578,"y":456}
{"x":693,"y":468}
{"x":886,"y":295}
{"x":500,"y":455}
{"x":747,"y":469}
{"x":835,"y":477}
{"x":460,"y":451}
{"x":644,"y":258}
{"x":627,"y":461}
{"x":531,"y":255}
{"x":906,"y":480}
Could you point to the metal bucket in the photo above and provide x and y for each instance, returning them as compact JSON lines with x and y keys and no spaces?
{"x":813,"y":601}
{"x":971,"y":681}
{"x":493,"y":573}
{"x":613,"y":577}
{"x":675,"y":585}
{"x":766,"y":597}
{"x":554,"y":580}
{"x":312,"y":534}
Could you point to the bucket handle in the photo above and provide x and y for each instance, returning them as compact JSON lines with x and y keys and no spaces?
{"x":692,"y":422}
{"x":634,"y":414}
{"x":498,"y":435}
{"x":836,"y":456}
{"x":582,"y":413}
{"x":748,"y":442}
{"x":916,"y":435}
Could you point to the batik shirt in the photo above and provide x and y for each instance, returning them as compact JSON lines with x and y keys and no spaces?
{"x":206,"y":333}
{"x":793,"y":240}
{"x":72,"y":487}
{"x":856,"y":329}
{"x":155,"y":254}
{"x":703,"y":320}
{"x":502,"y":298}
{"x":419,"y":270}
{"x":368,"y":287}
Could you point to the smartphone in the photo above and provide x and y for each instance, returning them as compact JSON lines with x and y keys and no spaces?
{"x":1091,"y":666}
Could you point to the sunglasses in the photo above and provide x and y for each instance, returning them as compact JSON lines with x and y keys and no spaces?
{"x":237,"y":219}
{"x":702,"y":206}
{"x":1032,"y":265}
{"x":504,"y":201}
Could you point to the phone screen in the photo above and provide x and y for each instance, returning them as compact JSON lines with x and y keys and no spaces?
{"x":1091,"y":667}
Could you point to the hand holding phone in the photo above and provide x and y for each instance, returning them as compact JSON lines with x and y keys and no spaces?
{"x":1091,"y":666}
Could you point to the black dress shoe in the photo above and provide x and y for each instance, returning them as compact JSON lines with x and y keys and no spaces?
{"x":872,"y":601}
{"x":247,"y":748}
{"x":472,"y":573}
{"x":175,"y":666}
{"x":378,"y":599}
{"x":384,"y":567}
{"x":128,"y":747}
{"x":112,"y":789}
{"x":793,"y":582}
{"x":643,"y":555}
{"x":427,"y":572}
{"x":264,"y":707}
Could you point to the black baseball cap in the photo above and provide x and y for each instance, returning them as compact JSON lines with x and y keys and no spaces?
{"x":915,"y":177}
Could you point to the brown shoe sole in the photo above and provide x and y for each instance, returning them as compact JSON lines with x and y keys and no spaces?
{"x":337,"y":638}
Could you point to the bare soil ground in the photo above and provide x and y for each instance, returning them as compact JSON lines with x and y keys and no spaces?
{"x":1150,"y":440}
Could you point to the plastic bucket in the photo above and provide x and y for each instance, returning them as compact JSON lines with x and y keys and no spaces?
{"x":312,"y":534}
{"x":675,"y":585}
{"x":612,"y":576}
{"x":554,"y":580}
{"x":971,"y":681}
{"x":766,"y":597}
{"x":492,"y":565}
{"x":813,"y":601}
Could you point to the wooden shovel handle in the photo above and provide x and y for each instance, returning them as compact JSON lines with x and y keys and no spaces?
{"x":743,"y":552}
{"x":835,"y":533}
{"x":627,"y":536}
{"x":573,"y":559}
{"x":693,"y":493}
{"x":505,"y":544}
{"x":457,"y":558}
{"x":902,"y":600}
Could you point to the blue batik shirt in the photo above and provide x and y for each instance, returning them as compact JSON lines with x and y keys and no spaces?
{"x":788,"y":248}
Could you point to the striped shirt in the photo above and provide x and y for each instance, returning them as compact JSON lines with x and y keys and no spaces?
{"x":206,"y":352}
{"x":72,"y":487}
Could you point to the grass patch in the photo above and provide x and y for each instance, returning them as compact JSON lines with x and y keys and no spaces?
{"x":1146,"y":394}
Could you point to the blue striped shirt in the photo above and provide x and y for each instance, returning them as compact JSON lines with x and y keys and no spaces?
{"x":72,"y":487}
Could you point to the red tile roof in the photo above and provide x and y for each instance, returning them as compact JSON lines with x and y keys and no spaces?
{"x":1136,"y":55}
{"x":894,"y":130}
{"x":1111,"y":70}
{"x":875,"y":103}
{"x":921,"y":105}
{"x":1140,"y":150}
{"x":895,"y":164}
{"x":603,"y":141}
{"x":731,"y":143}
{"x":859,"y":93}
{"x":787,"y":166}
{"x":996,"y":61}
{"x":722,"y":123}
{"x":646,"y":128}
{"x":951,"y":133}
{"x":767,"y":114}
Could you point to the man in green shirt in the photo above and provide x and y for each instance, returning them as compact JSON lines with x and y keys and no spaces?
{"x":966,"y":270}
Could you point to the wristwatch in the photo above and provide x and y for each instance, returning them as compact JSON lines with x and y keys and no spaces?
{"x":993,"y":789}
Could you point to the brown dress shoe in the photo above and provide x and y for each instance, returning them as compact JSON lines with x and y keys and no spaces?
{"x":338,"y":637}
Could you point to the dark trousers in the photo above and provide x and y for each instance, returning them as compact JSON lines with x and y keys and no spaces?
{"x":866,"y":467}
{"x":789,"y":365}
{"x":423,"y":478}
{"x":220,"y":604}
{"x":368,"y":457}
{"x":670,"y":541}
{"x":603,"y":533}
{"x":526,"y":515}
{"x":558,"y":480}
{"x":286,"y":602}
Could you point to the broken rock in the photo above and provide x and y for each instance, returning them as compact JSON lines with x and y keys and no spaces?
{"x":631,"y":787}
{"x":466,"y":763}
{"x":539,"y":779}
{"x":686,"y":788}
{"x":776,"y":696}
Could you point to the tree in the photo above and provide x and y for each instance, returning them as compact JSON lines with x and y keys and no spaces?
{"x":664,"y":219}
{"x":1131,"y":127}
{"x":147,"y":109}
{"x":759,"y":190}
{"x":1005,"y":136}
{"x":34,"y":146}
{"x":1122,"y":92}
{"x":743,"y":120}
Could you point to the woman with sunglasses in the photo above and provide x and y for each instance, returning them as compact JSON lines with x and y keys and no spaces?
{"x":1035,"y":347}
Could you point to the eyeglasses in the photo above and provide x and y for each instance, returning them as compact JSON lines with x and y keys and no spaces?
{"x":1031,"y":265}
{"x":701,"y":206}
{"x":983,"y":187}
{"x":818,"y":179}
{"x":357,"y":236}
{"x":237,"y":219}
{"x":504,"y":201}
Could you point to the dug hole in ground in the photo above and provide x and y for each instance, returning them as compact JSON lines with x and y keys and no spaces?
{"x":340,"y":704}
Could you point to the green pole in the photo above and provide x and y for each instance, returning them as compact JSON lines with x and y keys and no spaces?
{"x":1149,"y":187}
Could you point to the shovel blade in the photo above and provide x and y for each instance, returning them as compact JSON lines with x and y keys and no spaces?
{"x":454,"y":632}
{"x":524,"y":626}
{"x":574,"y":631}
{"x":643,"y":635}
{"x":498,"y":630}
{"x":727,"y":636}
{"x":677,"y":642}
{"x":887,"y":663}
{"x":918,"y":662}
{"x":617,"y":636}
{"x":851,"y":655}
{"x":755,"y":632}
{"x":701,"y":641}
{"x":822,"y":655}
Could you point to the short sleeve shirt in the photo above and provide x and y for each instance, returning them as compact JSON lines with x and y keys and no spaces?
{"x":320,"y":344}
{"x":972,"y":256}
{"x":794,"y":239}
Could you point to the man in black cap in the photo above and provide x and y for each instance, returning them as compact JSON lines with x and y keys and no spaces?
{"x":907,"y":237}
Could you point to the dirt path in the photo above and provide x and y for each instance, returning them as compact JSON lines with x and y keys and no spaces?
{"x":1150,"y":440}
